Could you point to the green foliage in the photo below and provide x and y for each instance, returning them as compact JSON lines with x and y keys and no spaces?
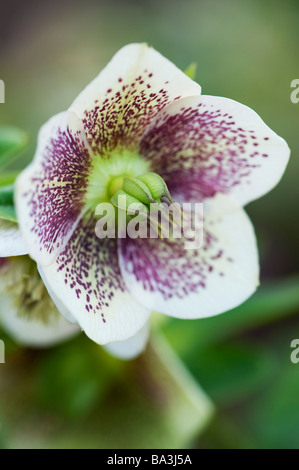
{"x":242,"y":360}
{"x":77,"y":396}
{"x":3,"y":433}
{"x":8,"y":178}
{"x":78,"y":376}
{"x":13,"y":141}
{"x":241,"y":357}
{"x":271,"y":303}
{"x":231,"y":372}
{"x":7,"y":210}
{"x":275,"y":417}
{"x":191,"y":70}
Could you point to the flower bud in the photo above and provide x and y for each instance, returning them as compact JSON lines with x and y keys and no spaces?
{"x":128,"y":203}
{"x":136,"y":188}
{"x":155,"y":184}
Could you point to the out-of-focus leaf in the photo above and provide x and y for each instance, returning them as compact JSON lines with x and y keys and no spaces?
{"x":7,"y":210}
{"x":191,"y":70}
{"x":273,"y":417}
{"x":6,"y":195}
{"x":12,"y":142}
{"x":3,"y":433}
{"x":223,"y":433}
{"x":231,"y":372}
{"x":274,"y":422}
{"x":8,"y":213}
{"x":268,"y":417}
{"x":77,"y":377}
{"x":151,"y":402}
{"x":271,"y":303}
{"x":8,"y":178}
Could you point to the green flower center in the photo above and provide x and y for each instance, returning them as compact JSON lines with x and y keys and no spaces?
{"x":142,"y":191}
{"x":115,"y":185}
{"x":124,"y":180}
{"x":106,"y":176}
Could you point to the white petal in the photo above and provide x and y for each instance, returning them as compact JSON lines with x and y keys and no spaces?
{"x":61,"y":307}
{"x":195,"y":283}
{"x":86,"y":282}
{"x":121,"y":101}
{"x":206,"y":145}
{"x":31,"y":332}
{"x":50,"y":192}
{"x":130,"y":348}
{"x":11,"y":241}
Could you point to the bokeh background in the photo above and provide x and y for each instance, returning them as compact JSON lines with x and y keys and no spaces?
{"x":75,"y":395}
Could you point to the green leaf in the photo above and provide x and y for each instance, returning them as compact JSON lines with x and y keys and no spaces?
{"x":238,"y":370}
{"x":73,"y":373}
{"x":77,"y":396}
{"x":191,"y":71}
{"x":271,"y":303}
{"x":8,"y":213}
{"x":279,"y":409}
{"x":273,"y":416}
{"x":7,"y":210}
{"x":8,"y":177}
{"x":12,"y":142}
{"x":6,"y":195}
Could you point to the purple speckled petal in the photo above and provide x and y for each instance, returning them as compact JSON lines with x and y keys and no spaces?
{"x":194,"y":283}
{"x":11,"y":241}
{"x":117,"y":106}
{"x":50,"y":192}
{"x":87,"y":280}
{"x":206,"y":145}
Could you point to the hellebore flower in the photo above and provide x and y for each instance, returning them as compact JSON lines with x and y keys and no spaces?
{"x":27,"y":312}
{"x":143,"y":115}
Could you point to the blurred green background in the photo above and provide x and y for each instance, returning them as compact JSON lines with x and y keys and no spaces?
{"x":74,"y":395}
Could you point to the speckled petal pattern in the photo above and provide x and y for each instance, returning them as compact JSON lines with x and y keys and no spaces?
{"x":50,"y":192}
{"x":118,"y":105}
{"x":194,"y":283}
{"x":86,"y":279}
{"x":206,"y":145}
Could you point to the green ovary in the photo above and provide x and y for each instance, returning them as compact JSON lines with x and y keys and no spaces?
{"x":107,"y":174}
{"x":125,"y":181}
{"x":115,"y":185}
